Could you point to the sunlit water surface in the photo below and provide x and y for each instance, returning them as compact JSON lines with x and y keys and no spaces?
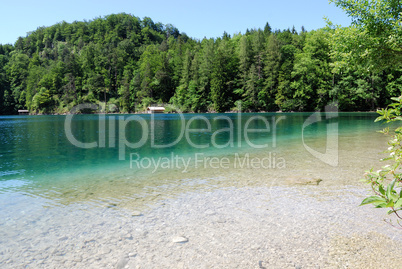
{"x":44,"y":177}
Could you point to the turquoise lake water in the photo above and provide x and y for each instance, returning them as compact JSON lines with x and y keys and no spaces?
{"x":88,"y":191}
{"x":38,"y":159}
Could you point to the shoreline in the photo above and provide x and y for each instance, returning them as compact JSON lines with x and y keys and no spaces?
{"x":145,"y":113}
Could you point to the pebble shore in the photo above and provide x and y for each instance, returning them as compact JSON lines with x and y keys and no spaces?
{"x":250,"y":227}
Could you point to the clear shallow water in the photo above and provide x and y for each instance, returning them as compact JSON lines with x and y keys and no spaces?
{"x":65,"y":206}
{"x":37,"y":158}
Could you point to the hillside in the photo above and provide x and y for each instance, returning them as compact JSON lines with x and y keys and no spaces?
{"x":132,"y":63}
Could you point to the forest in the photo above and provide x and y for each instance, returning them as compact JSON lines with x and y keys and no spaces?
{"x":132,"y":63}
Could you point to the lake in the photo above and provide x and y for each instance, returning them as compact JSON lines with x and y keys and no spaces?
{"x":110,"y":190}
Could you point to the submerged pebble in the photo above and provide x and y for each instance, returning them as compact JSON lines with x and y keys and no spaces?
{"x":136,"y":213}
{"x":179,"y":239}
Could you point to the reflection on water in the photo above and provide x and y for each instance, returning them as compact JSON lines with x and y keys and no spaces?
{"x":38,"y":160}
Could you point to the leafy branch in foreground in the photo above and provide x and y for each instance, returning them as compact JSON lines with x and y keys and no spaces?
{"x":387,"y":182}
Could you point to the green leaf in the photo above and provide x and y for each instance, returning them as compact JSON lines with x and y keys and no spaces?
{"x":381,"y":189}
{"x":373,"y":199}
{"x":398,"y":204}
{"x":390,"y":204}
{"x":382,"y":205}
{"x":390,"y":189}
{"x":379,"y":119}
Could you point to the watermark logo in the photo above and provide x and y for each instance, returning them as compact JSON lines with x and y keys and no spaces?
{"x":330,"y":156}
{"x":240,"y":132}
{"x":203,"y":161}
{"x":237,"y":131}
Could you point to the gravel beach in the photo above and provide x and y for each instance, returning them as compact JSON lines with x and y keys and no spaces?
{"x":249,"y":227}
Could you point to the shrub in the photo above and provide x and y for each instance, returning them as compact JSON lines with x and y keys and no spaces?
{"x":386,"y":183}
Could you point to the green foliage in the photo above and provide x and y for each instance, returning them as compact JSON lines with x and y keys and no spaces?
{"x":223,"y":77}
{"x":312,"y":92}
{"x":367,"y":57}
{"x":131,"y":62}
{"x":6,"y":104}
{"x":41,"y":100}
{"x":375,"y":38}
{"x":387,"y":182}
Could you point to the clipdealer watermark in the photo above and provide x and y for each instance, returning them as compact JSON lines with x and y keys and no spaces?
{"x":114,"y":130}
{"x":201,"y":160}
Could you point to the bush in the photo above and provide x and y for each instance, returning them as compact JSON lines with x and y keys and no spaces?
{"x":386,"y":183}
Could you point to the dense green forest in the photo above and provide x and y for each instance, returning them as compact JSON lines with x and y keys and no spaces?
{"x":133,"y":63}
